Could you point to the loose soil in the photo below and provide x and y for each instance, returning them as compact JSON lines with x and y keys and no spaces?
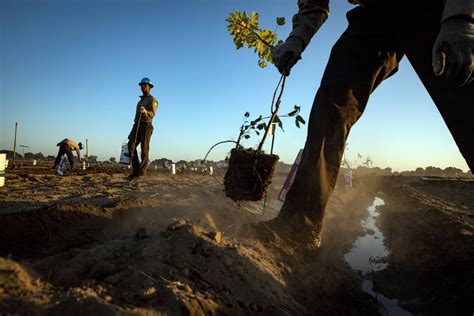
{"x":98,"y":244}
{"x":429,"y":227}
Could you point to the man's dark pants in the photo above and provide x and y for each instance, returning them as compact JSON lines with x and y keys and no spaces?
{"x":64,"y":149}
{"x":367,"y":53}
{"x":145,"y":130}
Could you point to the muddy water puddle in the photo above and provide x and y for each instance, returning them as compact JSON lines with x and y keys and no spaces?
{"x":367,"y":256}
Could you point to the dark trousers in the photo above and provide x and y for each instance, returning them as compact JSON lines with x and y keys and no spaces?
{"x":145,"y":130}
{"x":368,"y":52}
{"x":64,"y":149}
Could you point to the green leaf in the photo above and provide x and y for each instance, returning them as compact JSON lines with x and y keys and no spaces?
{"x":300,"y":119}
{"x":262,"y":63}
{"x":247,"y":114}
{"x":247,"y":136}
{"x":254,"y":20}
{"x":281,"y":20}
{"x":261,"y":126}
{"x":279,"y":122}
{"x":244,"y":27}
{"x":292,"y":113}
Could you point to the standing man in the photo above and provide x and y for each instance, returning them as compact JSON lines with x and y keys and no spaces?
{"x":142,"y":128}
{"x":66,"y":146}
{"x":437,"y":38}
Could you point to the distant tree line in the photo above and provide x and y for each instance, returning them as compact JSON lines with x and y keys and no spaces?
{"x":449,"y":172}
{"x":431,"y":171}
{"x":364,"y":169}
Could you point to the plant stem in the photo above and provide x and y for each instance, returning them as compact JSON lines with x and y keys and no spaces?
{"x":274,"y":109}
{"x":222,"y":142}
{"x":273,"y":139}
{"x":258,"y":36}
{"x":241,"y":134}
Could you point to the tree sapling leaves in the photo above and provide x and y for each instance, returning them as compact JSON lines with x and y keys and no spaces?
{"x":280,"y":20}
{"x":245,"y":30}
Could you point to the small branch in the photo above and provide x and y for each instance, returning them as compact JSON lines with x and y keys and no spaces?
{"x":274,"y":113}
{"x":274,"y":95}
{"x":223,"y":142}
{"x":258,"y":36}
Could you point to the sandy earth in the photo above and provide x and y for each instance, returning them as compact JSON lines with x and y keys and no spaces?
{"x":429,"y":226}
{"x":94,"y":243}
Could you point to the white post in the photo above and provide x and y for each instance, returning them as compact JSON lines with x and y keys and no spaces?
{"x":3,"y":162}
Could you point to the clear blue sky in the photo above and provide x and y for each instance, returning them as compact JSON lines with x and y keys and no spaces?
{"x":71,"y":69}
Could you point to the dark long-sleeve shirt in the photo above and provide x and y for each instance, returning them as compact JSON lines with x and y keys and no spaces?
{"x":150,"y":103}
{"x":312,"y":13}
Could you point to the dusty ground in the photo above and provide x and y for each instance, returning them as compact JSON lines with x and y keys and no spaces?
{"x":429,"y":226}
{"x":95,"y":243}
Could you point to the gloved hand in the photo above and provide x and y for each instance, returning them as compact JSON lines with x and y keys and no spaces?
{"x":453,"y":51}
{"x":143,"y":110}
{"x":286,"y":55}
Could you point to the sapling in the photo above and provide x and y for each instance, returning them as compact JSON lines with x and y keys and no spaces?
{"x":250,"y":170}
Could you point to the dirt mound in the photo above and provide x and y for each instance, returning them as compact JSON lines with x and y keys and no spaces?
{"x":50,"y":229}
{"x":90,"y":261}
{"x":429,"y":227}
{"x":191,"y":270}
{"x":184,"y":268}
{"x":23,"y":293}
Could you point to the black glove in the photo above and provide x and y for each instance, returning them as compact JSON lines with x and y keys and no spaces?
{"x":453,"y":50}
{"x":286,"y":55}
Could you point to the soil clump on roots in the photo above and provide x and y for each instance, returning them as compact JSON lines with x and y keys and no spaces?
{"x":249,"y":174}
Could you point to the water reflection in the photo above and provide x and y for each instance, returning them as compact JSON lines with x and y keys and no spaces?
{"x":367,"y":256}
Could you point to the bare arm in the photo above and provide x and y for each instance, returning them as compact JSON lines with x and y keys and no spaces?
{"x":78,"y":154}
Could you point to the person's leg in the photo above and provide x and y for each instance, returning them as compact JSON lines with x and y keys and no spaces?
{"x":70,"y":156}
{"x":456,"y":104}
{"x":61,"y":152}
{"x":132,"y":149}
{"x":360,"y":60}
{"x":147,"y":132}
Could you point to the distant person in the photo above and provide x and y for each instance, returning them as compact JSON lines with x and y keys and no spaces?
{"x":142,"y":129}
{"x":437,"y":38}
{"x":66,"y":146}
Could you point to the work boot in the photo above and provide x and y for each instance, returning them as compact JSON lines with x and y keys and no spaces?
{"x":132,"y":176}
{"x":297,"y":231}
{"x":140,"y":173}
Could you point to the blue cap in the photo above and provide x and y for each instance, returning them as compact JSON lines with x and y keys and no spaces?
{"x":146,"y":81}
